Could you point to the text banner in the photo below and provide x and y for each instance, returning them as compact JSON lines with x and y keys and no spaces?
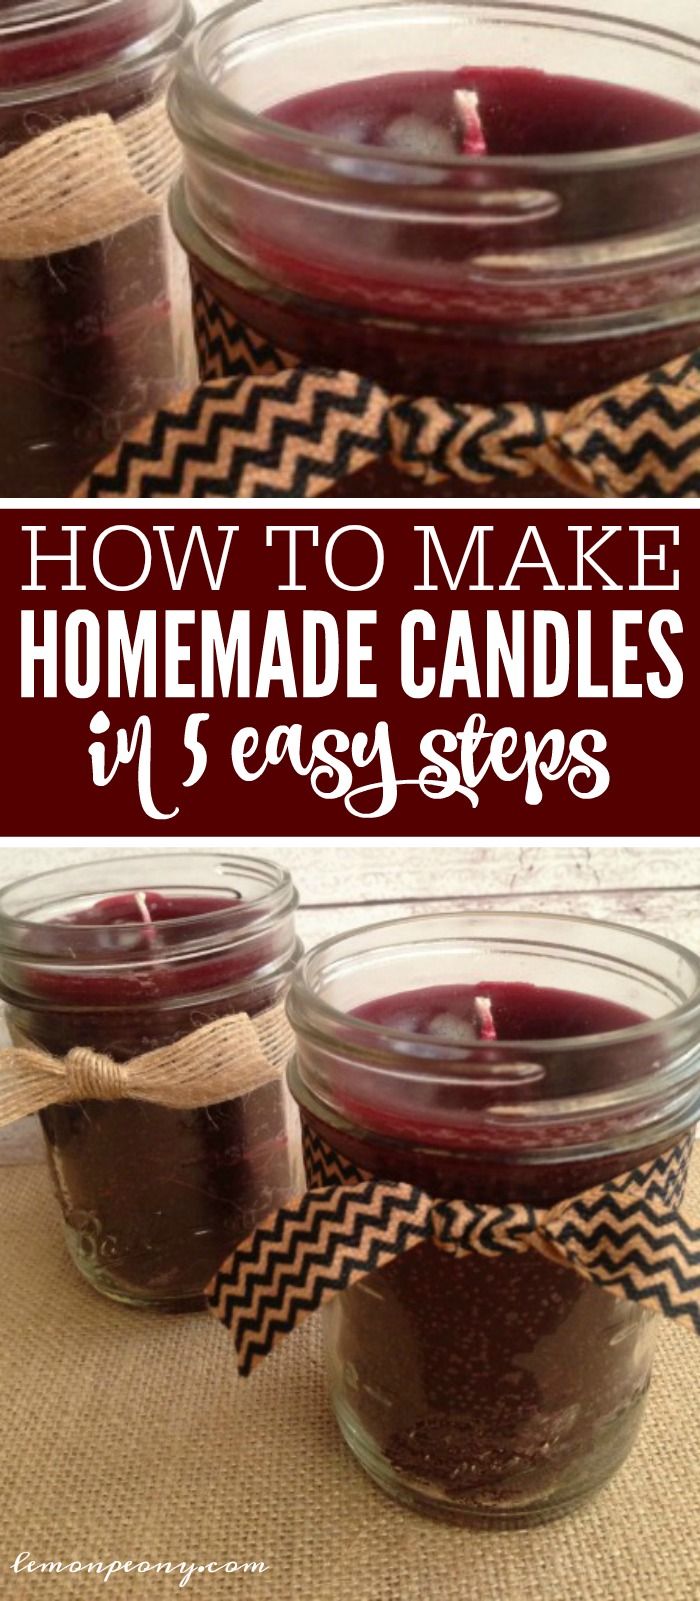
{"x":322,"y":671}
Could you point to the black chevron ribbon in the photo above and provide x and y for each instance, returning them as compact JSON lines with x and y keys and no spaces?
{"x":627,"y":1235}
{"x":261,"y":423}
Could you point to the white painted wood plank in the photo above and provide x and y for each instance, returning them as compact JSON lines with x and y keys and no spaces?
{"x":361,"y":873}
{"x":675,"y":914}
{"x":412,"y":875}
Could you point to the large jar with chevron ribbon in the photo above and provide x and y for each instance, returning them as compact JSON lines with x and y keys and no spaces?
{"x":497,"y":1116}
{"x":442,"y":252}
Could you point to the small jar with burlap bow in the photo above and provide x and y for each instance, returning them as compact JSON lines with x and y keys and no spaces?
{"x":497,"y":1115}
{"x":144,"y":999}
{"x":95,"y":324}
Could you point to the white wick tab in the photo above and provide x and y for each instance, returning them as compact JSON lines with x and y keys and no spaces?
{"x":486,"y":1028}
{"x":142,"y":906}
{"x":472,"y":136}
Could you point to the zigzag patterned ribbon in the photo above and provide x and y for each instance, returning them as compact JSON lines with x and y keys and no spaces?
{"x":260,"y":424}
{"x":627,"y":1235}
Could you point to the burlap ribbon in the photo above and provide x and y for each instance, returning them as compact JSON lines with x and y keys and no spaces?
{"x":218,"y":1062}
{"x":84,"y":180}
{"x":262,"y":424}
{"x":627,"y":1235}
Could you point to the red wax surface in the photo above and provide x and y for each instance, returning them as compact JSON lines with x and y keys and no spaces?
{"x":523,"y":113}
{"x":519,"y":1012}
{"x":136,"y":909}
{"x":154,"y":1198}
{"x":501,"y":1386}
{"x":71,"y":45}
{"x":133,"y":965}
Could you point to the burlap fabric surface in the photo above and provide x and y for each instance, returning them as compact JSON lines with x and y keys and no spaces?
{"x":84,"y":180}
{"x":129,"y":1435}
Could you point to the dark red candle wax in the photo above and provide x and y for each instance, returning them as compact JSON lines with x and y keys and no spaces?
{"x":523,"y":112}
{"x":498,"y":1387}
{"x":152,"y":1197}
{"x":72,"y":38}
{"x":121,"y":982}
{"x":447,"y":1124}
{"x":420,"y":116}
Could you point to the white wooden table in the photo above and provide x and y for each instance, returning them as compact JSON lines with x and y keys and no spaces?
{"x":657,"y":889}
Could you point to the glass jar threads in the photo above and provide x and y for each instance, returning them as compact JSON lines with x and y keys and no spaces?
{"x":123,"y":957}
{"x":95,"y":321}
{"x":500,"y":1060}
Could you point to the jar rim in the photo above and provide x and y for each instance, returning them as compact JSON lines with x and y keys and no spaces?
{"x":26,"y":25}
{"x":20,"y":18}
{"x":309,"y":1011}
{"x":277,"y":894}
{"x":192,"y":88}
{"x":22,"y":15}
{"x":249,"y":986}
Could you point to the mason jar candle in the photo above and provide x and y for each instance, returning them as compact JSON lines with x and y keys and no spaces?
{"x":95,"y":321}
{"x":124,"y":956}
{"x":478,"y":200}
{"x":492,"y":1058}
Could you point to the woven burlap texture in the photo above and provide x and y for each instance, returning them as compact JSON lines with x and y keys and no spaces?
{"x":128,"y":1435}
{"x":229,"y":1057}
{"x":84,"y":180}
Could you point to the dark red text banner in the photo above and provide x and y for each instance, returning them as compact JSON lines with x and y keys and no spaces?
{"x":362,"y":672}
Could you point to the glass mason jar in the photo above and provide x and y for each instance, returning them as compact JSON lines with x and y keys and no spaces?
{"x":95,"y":318}
{"x":483,"y":279}
{"x":124,"y":956}
{"x":496,"y":1389}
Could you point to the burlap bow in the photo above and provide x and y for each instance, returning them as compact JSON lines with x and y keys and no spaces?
{"x":83,"y":180}
{"x":261,"y":424}
{"x":628,"y":1236}
{"x":224,"y":1059}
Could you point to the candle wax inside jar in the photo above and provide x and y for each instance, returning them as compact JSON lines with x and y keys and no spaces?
{"x":519,"y":1011}
{"x":76,"y":45}
{"x":139,"y":907}
{"x":138,"y":960}
{"x":492,"y":1384}
{"x":409,"y":295}
{"x":523,"y":112}
{"x":446,"y":1104}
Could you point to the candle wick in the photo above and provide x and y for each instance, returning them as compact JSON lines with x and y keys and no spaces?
{"x":471,"y":127}
{"x":142,"y":906}
{"x":486,"y":1027}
